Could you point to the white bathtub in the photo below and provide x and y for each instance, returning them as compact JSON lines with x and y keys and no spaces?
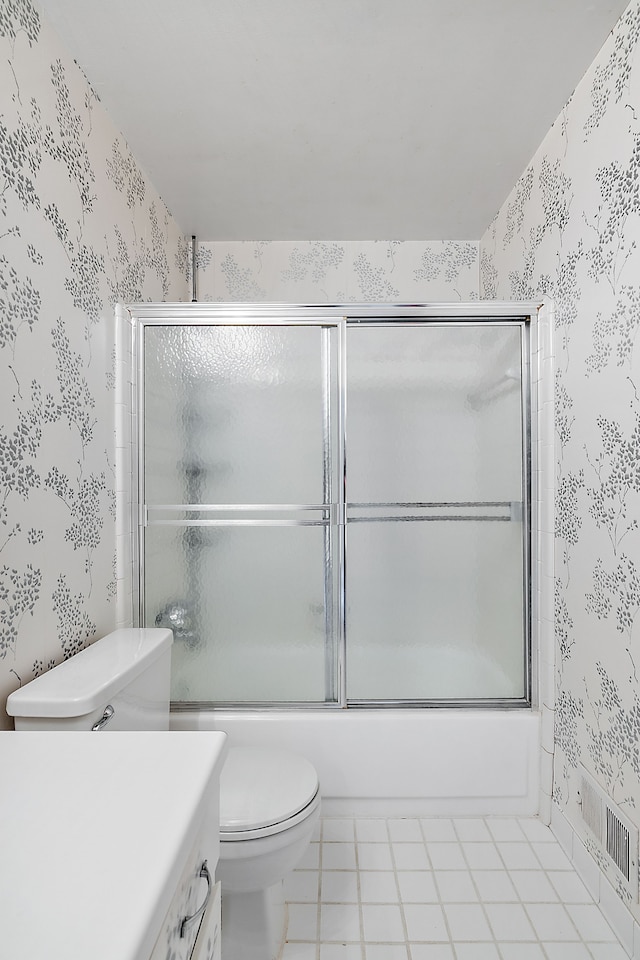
{"x":402,"y":762}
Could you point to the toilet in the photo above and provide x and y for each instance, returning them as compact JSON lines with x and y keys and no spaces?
{"x":269,"y":799}
{"x":263,"y":835}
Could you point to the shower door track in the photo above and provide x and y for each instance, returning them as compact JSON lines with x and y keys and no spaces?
{"x":335,"y":510}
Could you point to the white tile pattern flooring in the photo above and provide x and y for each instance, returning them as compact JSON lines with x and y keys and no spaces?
{"x":437,"y":889}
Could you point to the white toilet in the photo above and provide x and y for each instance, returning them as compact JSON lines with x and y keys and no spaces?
{"x":269,"y":799}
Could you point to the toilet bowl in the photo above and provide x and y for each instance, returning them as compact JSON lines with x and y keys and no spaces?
{"x":269,"y":804}
{"x":269,"y":799}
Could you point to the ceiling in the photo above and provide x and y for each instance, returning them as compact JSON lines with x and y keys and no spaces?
{"x":334,"y":119}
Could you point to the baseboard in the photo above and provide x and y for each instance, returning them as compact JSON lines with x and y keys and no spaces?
{"x":622,"y":921}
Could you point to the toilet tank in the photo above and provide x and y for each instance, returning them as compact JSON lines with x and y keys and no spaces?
{"x":126,"y":674}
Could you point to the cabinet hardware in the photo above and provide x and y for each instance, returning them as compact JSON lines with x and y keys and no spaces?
{"x":205,"y":875}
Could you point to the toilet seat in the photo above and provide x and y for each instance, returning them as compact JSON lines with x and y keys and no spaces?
{"x":264,"y":791}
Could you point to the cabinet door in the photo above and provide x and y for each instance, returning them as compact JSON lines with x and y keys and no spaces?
{"x":208,"y":942}
{"x":177,"y":938}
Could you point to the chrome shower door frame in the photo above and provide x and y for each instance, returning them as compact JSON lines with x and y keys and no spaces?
{"x":330,"y":514}
{"x":490,"y":512}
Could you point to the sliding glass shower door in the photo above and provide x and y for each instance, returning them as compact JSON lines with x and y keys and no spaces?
{"x":435,"y":533}
{"x":241,"y":503}
{"x":336,"y":512}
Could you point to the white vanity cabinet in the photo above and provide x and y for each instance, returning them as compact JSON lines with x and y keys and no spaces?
{"x":102,"y":840}
{"x":191,"y":929}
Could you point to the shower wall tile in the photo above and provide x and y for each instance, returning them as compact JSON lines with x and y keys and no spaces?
{"x":82,"y":228}
{"x":570,"y":230}
{"x":373,"y":271}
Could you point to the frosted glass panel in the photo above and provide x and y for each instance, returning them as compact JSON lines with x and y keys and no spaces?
{"x":434,"y":413}
{"x":235,"y":414}
{"x":435,"y":547}
{"x":435,"y":610}
{"x":243,"y":516}
{"x":239,"y":441}
{"x":248,"y":605}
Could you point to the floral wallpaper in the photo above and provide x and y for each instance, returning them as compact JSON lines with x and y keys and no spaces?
{"x":571,"y":229}
{"x":391,"y":271}
{"x":80,"y":228}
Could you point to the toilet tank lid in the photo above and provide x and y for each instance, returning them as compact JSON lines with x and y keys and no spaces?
{"x":90,"y":678}
{"x":262,"y":786}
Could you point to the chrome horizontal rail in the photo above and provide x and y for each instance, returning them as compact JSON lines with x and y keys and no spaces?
{"x":239,"y":523}
{"x":222,"y":507}
{"x":374,"y":505}
{"x":434,"y":511}
{"x":359,"y":314}
{"x":222,"y":515}
{"x":284,"y":706}
{"x":419,"y":518}
{"x":409,"y":518}
{"x":418,"y":504}
{"x":210,"y":514}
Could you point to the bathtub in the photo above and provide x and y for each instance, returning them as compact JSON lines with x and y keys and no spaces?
{"x":401,"y":762}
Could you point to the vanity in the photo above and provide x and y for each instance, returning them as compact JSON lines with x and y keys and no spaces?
{"x":108,"y":845}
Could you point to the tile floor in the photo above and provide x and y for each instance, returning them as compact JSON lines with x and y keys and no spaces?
{"x":436,"y":889}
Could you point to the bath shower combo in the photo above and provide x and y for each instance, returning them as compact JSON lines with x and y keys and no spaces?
{"x":342,"y":512}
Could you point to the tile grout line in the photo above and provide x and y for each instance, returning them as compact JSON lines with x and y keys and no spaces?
{"x":481,"y":900}
{"x":407,"y":947}
{"x":437,"y":888}
{"x":319,"y":889}
{"x":536,"y":867}
{"x":363,"y":953}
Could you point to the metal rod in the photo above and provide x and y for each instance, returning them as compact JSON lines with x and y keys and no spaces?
{"x":238,"y":523}
{"x":417,"y":518}
{"x":416,"y":505}
{"x":412,"y":505}
{"x":443,"y":518}
{"x":525,"y":388}
{"x":194,"y":294}
{"x":327,"y":493}
{"x":232,"y":507}
{"x":139,"y":477}
{"x":341,"y":612}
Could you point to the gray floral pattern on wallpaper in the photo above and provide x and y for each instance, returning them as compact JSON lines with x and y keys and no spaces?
{"x":81,"y":229}
{"x":316,"y":271}
{"x":571,"y":229}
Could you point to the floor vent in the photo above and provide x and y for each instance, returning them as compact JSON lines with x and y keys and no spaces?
{"x":617,"y":837}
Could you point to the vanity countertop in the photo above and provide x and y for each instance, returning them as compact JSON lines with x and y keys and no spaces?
{"x":94,"y":833}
